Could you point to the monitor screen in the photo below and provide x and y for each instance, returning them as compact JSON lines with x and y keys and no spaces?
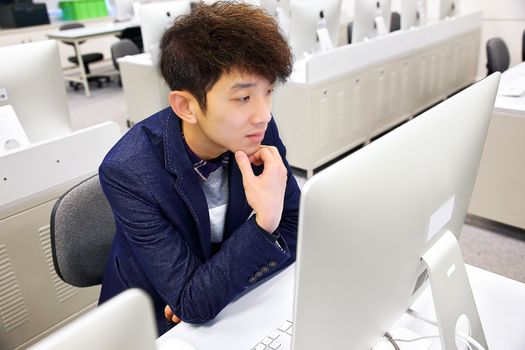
{"x":409,"y":14}
{"x":31,"y":80}
{"x":306,"y":16}
{"x":366,"y":221}
{"x":156,"y":17}
{"x":124,"y":9}
{"x":447,"y":8}
{"x":371,"y":18}
{"x":124,"y":322}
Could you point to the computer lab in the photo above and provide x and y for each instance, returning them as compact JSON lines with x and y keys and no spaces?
{"x":262,"y":174}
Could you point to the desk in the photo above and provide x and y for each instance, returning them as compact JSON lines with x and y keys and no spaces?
{"x":75,"y":36}
{"x":145,"y":90}
{"x":500,"y":302}
{"x":499,"y":193}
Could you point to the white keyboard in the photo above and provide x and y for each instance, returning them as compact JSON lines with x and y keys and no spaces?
{"x":280,"y":339}
{"x":515,"y":88}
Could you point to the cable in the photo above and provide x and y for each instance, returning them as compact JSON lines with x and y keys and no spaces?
{"x":461,"y":335}
{"x":431,"y":337}
{"x":388,"y":336}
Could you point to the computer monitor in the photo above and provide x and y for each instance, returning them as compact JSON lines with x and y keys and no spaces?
{"x":124,"y":9}
{"x":371,"y":18}
{"x":156,"y":17}
{"x":409,"y":14}
{"x":306,"y":17}
{"x":448,"y":8}
{"x":366,"y":221}
{"x":271,"y":5}
{"x":124,"y":322}
{"x":31,"y":80}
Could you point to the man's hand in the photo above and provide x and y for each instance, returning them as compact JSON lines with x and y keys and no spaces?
{"x":170,"y":316}
{"x":265,"y":193}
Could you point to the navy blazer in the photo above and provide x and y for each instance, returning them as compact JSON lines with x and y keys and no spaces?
{"x":163,"y":242}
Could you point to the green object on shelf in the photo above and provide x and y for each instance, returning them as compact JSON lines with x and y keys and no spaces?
{"x":82,"y":9}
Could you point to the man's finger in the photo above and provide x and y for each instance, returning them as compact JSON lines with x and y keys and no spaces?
{"x":244,"y":164}
{"x":168,"y":313}
{"x":175,"y":319}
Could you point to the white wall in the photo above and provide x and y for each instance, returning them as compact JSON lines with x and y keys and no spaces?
{"x":504,"y":19}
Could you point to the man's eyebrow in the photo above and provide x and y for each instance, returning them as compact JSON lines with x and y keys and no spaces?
{"x":239,"y":86}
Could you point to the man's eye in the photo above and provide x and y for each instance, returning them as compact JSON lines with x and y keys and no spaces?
{"x":270,"y":92}
{"x":244,"y":98}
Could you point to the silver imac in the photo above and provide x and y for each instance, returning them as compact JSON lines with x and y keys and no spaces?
{"x":366,"y":222}
{"x":31,"y":82}
{"x":156,"y":17}
{"x":448,"y":8}
{"x":124,"y":322}
{"x":409,"y":14}
{"x":124,"y":10}
{"x":371,"y":18}
{"x":271,"y":5}
{"x":306,"y":17}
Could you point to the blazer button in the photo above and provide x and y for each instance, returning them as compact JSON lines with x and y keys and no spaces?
{"x":258,"y":274}
{"x":252,"y":279}
{"x":265,"y":269}
{"x":272,"y":263}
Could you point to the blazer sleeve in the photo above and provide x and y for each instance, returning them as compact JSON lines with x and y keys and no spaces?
{"x":195,"y":290}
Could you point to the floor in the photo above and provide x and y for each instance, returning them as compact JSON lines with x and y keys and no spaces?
{"x":493,"y":247}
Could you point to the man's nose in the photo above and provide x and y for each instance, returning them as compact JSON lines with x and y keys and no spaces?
{"x":262,"y":113}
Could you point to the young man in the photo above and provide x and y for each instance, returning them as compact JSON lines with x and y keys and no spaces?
{"x":204,"y":201}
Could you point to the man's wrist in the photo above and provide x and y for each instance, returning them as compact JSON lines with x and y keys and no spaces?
{"x":271,"y":236}
{"x":264,"y":226}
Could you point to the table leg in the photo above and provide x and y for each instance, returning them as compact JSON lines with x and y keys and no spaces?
{"x":83,"y":75}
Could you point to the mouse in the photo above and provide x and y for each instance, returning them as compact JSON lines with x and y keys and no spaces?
{"x":176,"y":344}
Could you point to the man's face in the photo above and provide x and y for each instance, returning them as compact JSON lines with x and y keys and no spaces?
{"x":237,"y":115}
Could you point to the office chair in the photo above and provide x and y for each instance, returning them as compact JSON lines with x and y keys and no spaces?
{"x":122,"y":48}
{"x":82,"y":230}
{"x":134,"y":34}
{"x":349,"y":32}
{"x":395,"y":21}
{"x":523,"y":46}
{"x":498,"y":58}
{"x":87,"y":59}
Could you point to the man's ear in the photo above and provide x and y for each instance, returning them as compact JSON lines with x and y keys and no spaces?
{"x":182,"y":103}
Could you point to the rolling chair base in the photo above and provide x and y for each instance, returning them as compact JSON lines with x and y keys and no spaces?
{"x":100,"y":80}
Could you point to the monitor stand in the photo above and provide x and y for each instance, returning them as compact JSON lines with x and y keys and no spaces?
{"x":451,"y":291}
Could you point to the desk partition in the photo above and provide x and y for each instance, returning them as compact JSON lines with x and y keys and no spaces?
{"x":342,"y":99}
{"x":34,"y":301}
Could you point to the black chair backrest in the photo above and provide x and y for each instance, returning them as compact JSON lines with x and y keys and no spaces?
{"x":395,"y":21}
{"x":134,"y":34}
{"x":82,"y":231}
{"x":123,"y":48}
{"x":523,"y":46}
{"x":498,"y":57}
{"x":349,"y":32}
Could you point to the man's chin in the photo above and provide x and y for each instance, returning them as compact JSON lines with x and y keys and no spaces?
{"x":249,"y":151}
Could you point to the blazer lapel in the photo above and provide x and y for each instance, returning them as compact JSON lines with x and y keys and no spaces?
{"x":187,"y":184}
{"x":190,"y":189}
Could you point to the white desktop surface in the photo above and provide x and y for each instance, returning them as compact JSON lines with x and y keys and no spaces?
{"x":93,"y":31}
{"x":508,"y":104}
{"x":500,"y":302}
{"x":245,"y":321}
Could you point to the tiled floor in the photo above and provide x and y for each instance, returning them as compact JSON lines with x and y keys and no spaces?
{"x":491,"y":247}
